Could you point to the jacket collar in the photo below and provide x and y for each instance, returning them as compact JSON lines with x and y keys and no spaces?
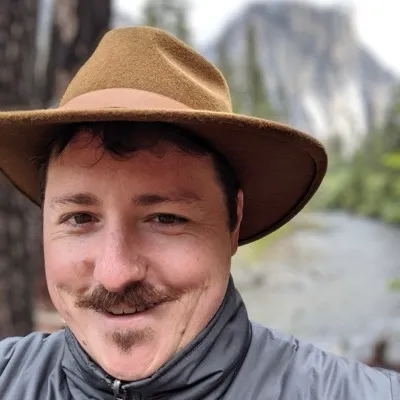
{"x":204,"y":369}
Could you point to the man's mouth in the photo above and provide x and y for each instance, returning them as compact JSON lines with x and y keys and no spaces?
{"x":120,"y":311}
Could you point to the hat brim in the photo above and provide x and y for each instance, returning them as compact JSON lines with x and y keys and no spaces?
{"x":279,"y":168}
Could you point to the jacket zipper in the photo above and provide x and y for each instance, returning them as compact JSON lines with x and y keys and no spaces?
{"x":121,"y":394}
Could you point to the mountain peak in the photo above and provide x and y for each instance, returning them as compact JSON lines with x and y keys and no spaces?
{"x":314,"y":68}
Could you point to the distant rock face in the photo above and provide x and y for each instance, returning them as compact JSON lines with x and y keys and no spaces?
{"x":315,"y":70}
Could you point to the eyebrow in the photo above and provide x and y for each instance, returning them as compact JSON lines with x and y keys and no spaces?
{"x":82,"y":199}
{"x":145,"y":199}
{"x":149,"y":199}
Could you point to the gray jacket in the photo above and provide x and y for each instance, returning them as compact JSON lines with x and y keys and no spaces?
{"x":232,"y":359}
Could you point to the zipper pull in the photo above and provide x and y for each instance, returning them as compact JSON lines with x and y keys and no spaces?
{"x":119,"y":394}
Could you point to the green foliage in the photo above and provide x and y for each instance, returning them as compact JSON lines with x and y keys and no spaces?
{"x":391,"y":160}
{"x":394,"y":284}
{"x":368,"y":183}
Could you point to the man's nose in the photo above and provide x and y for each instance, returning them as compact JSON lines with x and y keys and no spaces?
{"x":118,"y":261}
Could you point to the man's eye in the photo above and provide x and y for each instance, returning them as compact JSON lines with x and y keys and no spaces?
{"x":169,"y":219}
{"x":79,"y":219}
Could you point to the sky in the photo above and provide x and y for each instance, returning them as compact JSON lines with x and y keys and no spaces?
{"x":377,"y":21}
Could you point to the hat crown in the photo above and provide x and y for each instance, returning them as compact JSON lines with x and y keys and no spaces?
{"x":151,"y":60}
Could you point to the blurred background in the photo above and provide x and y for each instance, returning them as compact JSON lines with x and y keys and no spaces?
{"x":330,"y":68}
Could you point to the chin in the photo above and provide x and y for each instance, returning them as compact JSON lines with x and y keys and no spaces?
{"x":129,"y":367}
{"x":128,"y":358}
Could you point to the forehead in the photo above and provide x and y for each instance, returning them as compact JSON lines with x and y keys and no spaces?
{"x":84,"y":161}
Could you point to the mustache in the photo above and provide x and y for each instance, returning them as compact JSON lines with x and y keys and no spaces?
{"x":136,"y":295}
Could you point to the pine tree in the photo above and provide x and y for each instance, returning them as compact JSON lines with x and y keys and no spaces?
{"x":391,"y":131}
{"x":226,"y":66}
{"x":150,"y":14}
{"x":258,"y":100}
{"x":169,"y":15}
{"x":390,"y":158}
{"x":182,"y":30}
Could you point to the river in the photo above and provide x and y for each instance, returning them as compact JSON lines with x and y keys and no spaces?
{"x":327,"y":281}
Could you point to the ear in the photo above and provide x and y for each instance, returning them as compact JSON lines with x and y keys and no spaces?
{"x":239,"y":215}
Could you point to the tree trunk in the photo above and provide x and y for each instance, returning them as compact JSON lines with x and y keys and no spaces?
{"x":77,"y":29}
{"x":17,"y":53}
{"x":19,"y":229}
{"x":20,"y":258}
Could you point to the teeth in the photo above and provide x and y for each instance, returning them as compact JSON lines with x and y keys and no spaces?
{"x":129,"y":310}
{"x":121,"y":311}
{"x":116,"y":311}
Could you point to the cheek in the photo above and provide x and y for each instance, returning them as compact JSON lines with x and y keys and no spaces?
{"x":64,"y":265}
{"x":65,"y":277}
{"x":188,"y":263}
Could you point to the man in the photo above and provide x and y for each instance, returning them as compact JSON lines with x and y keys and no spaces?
{"x":148,"y":184}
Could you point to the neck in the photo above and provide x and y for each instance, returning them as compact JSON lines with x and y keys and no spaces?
{"x":205,"y":367}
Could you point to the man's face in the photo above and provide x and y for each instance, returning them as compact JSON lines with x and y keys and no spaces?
{"x":147,"y":237}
